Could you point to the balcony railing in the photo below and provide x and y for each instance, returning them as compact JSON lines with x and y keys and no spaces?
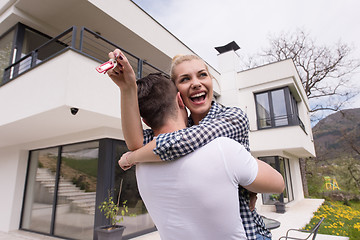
{"x":281,"y":121}
{"x":89,"y":43}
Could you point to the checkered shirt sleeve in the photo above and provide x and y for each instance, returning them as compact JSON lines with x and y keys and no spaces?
{"x":219,"y":122}
{"x":260,"y":225}
{"x":148,"y":136}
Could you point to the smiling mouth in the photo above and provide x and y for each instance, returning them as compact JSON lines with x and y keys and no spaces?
{"x":198,"y":97}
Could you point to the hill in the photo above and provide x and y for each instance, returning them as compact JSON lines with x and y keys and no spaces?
{"x":338,"y":135}
{"x":337,"y":144}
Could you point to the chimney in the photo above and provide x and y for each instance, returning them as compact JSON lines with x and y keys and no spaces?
{"x":228,"y":60}
{"x":229,"y":65}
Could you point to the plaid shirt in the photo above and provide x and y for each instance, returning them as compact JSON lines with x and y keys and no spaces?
{"x":221,"y":121}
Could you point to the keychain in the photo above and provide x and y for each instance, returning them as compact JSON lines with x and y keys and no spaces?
{"x":106,"y":66}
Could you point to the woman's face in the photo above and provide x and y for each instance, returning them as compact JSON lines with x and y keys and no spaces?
{"x":195,"y":86}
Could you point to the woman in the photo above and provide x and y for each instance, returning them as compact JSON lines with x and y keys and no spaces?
{"x":208,"y":119}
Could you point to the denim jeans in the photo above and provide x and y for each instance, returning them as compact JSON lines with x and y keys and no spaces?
{"x":261,"y":237}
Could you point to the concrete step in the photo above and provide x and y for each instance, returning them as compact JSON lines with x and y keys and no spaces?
{"x":68,"y":192}
{"x":84,"y":200}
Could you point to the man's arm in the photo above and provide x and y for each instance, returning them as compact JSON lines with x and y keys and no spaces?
{"x":124,"y":77}
{"x":268,"y":180}
{"x":254,"y":175}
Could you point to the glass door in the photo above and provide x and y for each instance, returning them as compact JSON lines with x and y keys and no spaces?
{"x":282,"y":165}
{"x":61,"y":191}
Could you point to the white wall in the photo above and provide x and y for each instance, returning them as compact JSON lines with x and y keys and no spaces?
{"x":38,"y":103}
{"x":60,"y":81}
{"x":290,"y":139}
{"x":12,"y":178}
{"x":296,"y":179}
{"x":132,"y":17}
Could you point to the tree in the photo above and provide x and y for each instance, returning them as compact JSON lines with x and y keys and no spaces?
{"x":325,"y":71}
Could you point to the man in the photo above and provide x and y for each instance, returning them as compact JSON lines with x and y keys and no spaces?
{"x":196,"y":196}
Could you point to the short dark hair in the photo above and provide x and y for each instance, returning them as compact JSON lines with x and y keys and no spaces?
{"x":156,"y":97}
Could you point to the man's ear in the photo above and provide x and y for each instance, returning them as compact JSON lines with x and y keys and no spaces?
{"x":180,"y":100}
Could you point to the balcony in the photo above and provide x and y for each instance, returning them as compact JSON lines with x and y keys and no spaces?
{"x":280,"y":141}
{"x":88,"y":43}
{"x":39,"y":90}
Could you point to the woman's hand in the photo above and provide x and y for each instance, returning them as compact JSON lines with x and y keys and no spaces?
{"x":124,"y":162}
{"x":123,"y":74}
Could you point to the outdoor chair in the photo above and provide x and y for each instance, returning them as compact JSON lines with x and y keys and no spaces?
{"x":313,"y":232}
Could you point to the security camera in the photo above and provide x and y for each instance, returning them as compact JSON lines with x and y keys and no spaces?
{"x":74,"y":111}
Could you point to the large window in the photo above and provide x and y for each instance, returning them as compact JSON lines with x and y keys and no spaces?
{"x":276,"y":108}
{"x":282,"y":165}
{"x":65,"y":184}
{"x":61,"y":191}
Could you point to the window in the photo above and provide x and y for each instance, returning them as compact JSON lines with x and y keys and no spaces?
{"x":282,"y":165}
{"x":19,"y":42}
{"x":276,"y":108}
{"x":61,"y":191}
{"x":65,"y":184}
{"x":6,"y":43}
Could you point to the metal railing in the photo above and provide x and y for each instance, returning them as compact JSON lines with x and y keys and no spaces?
{"x":280,"y":121}
{"x":89,"y":43}
{"x":41,"y":54}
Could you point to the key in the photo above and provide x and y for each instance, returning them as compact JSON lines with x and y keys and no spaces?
{"x":106,"y":66}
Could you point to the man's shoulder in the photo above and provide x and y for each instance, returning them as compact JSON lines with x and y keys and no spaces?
{"x":225,"y":143}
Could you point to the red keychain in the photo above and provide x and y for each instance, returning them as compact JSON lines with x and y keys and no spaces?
{"x":106,"y":66}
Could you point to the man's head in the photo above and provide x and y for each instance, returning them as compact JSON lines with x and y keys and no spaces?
{"x":157,"y":96}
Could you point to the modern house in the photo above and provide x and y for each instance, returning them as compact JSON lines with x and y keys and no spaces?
{"x":60,"y":131}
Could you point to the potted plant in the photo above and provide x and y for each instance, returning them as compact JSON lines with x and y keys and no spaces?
{"x":279,"y":202}
{"x":111,"y":211}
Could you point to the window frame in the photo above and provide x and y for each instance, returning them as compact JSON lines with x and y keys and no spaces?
{"x":291,"y":106}
{"x":106,"y":180}
{"x":289,"y":190}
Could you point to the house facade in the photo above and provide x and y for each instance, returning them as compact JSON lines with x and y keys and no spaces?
{"x":60,"y":125}
{"x":278,"y":110}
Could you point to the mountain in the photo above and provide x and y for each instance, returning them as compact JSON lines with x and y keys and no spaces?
{"x":338,"y":135}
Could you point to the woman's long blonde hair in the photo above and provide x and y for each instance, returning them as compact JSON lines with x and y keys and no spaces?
{"x":182,"y":58}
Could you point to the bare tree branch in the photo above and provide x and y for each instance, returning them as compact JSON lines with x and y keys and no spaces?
{"x":325,"y":71}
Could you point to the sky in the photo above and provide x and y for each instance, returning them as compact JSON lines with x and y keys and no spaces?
{"x":203,"y":25}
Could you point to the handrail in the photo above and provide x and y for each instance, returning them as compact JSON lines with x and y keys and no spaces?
{"x":292,"y":120}
{"x":84,"y":29}
{"x":21,"y":66}
{"x":91,"y":44}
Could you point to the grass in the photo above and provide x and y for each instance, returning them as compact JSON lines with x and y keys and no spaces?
{"x":87,"y":166}
{"x":341,"y":219}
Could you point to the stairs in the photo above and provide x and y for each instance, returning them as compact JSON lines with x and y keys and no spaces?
{"x":79,"y":200}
